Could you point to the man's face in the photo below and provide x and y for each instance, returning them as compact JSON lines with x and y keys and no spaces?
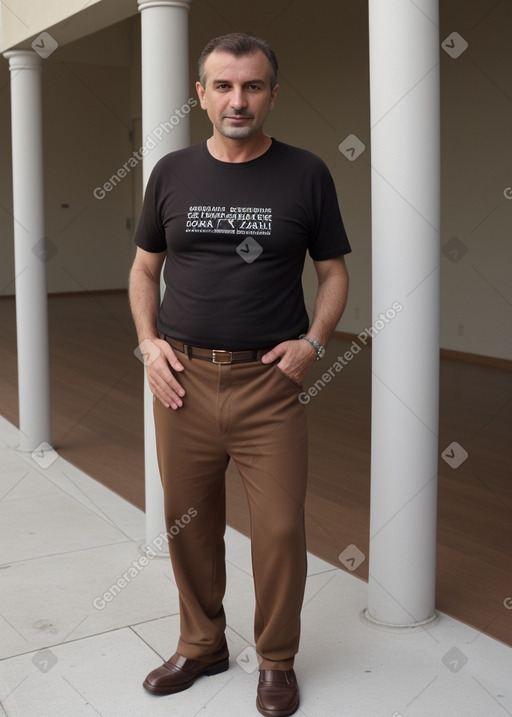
{"x":237,"y":95}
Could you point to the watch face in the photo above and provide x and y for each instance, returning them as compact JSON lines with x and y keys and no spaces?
{"x":321,"y":352}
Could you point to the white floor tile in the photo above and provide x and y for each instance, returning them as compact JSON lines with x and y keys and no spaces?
{"x":238,"y":550}
{"x":67,"y":540}
{"x":18,"y":480}
{"x":103,"y":675}
{"x":162,"y":636}
{"x":316,"y":565}
{"x":52,"y":600}
{"x":380,"y":672}
{"x":50,"y":525}
{"x":9,"y":434}
{"x":91,"y":494}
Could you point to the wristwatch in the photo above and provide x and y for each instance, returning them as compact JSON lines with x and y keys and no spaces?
{"x":320,"y":351}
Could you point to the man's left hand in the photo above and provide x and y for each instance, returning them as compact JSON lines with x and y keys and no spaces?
{"x":295,"y":358}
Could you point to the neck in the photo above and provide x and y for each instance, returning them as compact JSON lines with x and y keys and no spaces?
{"x":226,"y":149}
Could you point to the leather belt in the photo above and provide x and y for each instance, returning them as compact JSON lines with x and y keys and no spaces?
{"x":218,"y":356}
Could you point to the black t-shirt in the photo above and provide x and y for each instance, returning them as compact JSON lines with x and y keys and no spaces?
{"x":236,"y":236}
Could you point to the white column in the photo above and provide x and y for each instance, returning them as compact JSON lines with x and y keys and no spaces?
{"x":165,"y":90}
{"x":29,"y":249}
{"x":405,"y":148}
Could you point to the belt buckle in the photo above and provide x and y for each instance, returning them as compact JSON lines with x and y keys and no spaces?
{"x":221,"y":351}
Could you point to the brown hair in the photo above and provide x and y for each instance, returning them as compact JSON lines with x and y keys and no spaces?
{"x":238,"y":44}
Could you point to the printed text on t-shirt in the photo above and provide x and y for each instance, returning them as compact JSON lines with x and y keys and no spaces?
{"x":229,"y":220}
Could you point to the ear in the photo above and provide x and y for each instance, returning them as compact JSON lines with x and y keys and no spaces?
{"x":200,"y":93}
{"x":273,"y":96}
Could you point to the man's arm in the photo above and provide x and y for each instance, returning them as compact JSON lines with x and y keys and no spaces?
{"x":298,"y":355}
{"x":144,"y":293}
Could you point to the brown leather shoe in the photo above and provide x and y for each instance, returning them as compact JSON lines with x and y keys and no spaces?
{"x":278,"y":693}
{"x":179,"y":673}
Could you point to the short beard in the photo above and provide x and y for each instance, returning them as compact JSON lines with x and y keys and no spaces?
{"x":238,"y":132}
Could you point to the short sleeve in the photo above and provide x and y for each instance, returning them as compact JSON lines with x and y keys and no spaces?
{"x":150,"y":234}
{"x":329,"y":238}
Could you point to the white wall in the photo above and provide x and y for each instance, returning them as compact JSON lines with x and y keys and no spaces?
{"x":92,"y":96}
{"x":86,"y":121}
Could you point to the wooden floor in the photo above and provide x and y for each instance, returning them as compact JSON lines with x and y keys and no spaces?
{"x":98,"y":426}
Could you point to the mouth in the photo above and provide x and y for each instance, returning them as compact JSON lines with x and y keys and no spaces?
{"x":238,"y":118}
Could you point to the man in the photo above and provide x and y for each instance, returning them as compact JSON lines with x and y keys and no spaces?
{"x":234,"y":217}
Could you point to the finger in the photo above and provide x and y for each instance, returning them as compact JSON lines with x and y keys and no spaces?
{"x":171,"y":357}
{"x":168,"y":404}
{"x":167,"y":383}
{"x":163,"y":383}
{"x":273,"y":354}
{"x":166,"y":395}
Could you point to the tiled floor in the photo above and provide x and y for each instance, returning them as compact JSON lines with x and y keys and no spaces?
{"x":65,"y":540}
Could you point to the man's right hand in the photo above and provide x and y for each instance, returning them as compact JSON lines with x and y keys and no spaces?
{"x":159,"y":358}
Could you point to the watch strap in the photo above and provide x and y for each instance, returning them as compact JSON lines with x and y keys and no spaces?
{"x":320,"y":350}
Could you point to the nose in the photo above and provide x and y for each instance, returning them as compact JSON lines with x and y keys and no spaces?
{"x":238,"y":101}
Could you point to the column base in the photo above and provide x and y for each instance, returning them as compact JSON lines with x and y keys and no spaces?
{"x":367,"y":619}
{"x":30,"y":447}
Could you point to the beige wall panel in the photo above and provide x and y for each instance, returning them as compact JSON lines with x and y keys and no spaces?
{"x":86,"y":121}
{"x":476,"y":110}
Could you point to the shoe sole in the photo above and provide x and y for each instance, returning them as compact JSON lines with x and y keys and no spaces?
{"x":214,"y":669}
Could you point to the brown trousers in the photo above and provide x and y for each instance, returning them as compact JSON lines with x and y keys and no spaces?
{"x":251,"y":413}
